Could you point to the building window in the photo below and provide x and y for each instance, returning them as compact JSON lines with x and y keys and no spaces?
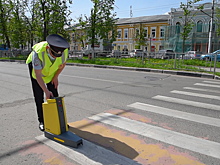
{"x":153,"y":32}
{"x":126,"y":33}
{"x":177,"y":28}
{"x":131,"y":32}
{"x":146,"y":32}
{"x":161,"y":47}
{"x":73,"y":37}
{"x":162,"y":32}
{"x":118,"y":47}
{"x":119,"y":33}
{"x":152,"y":48}
{"x":146,"y":48}
{"x":213,"y":26}
{"x":137,"y":31}
{"x":199,"y":26}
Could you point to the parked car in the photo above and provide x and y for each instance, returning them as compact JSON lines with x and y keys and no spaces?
{"x":211,"y":56}
{"x":114,"y":53}
{"x":165,"y":54}
{"x":192,"y":55}
{"x":137,"y":53}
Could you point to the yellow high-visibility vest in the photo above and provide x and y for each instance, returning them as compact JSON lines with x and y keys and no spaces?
{"x":49,"y":68}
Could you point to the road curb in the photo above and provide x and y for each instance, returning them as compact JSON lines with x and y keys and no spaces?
{"x":173,"y":72}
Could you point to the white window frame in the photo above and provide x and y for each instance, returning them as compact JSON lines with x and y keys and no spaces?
{"x":131,"y":32}
{"x":153,"y":31}
{"x":162,"y":30}
{"x":146,"y":32}
{"x":137,"y":31}
{"x":125,"y":33}
{"x":119,"y":31}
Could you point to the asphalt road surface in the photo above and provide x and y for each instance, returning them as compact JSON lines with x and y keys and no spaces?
{"x":124,"y":117}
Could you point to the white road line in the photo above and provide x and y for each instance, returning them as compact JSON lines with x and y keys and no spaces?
{"x":187,"y":102}
{"x":177,"y":114}
{"x":207,"y":85}
{"x":201,"y":89}
{"x":89,"y":153}
{"x":212,"y":82}
{"x":192,"y":143}
{"x":196,"y":94}
{"x":110,"y":81}
{"x":118,"y":82}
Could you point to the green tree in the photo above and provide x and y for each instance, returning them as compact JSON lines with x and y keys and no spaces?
{"x":217,"y":20}
{"x":79,"y":32}
{"x":31,"y":22}
{"x":188,"y":14}
{"x":101,"y":22}
{"x":23,"y":22}
{"x":52,"y":16}
{"x":141,"y":36}
{"x":17,"y":25}
{"x":5,"y":10}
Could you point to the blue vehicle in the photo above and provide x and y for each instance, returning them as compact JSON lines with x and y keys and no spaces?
{"x":211,"y":56}
{"x":3,"y":47}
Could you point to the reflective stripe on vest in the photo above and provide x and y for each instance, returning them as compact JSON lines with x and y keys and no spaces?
{"x":49,"y":68}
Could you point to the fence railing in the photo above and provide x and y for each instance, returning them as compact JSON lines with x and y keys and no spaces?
{"x":148,"y":59}
{"x":145,"y":59}
{"x":14,"y":53}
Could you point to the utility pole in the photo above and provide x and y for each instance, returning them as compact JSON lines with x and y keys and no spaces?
{"x":210,"y":27}
{"x":131,"y":13}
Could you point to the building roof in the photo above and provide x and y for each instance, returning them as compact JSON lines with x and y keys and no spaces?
{"x":153,"y":18}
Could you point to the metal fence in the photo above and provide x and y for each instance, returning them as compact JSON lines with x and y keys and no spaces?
{"x":14,"y":53}
{"x":145,"y":59}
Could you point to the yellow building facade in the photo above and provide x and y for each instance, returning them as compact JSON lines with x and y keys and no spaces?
{"x":129,"y":28}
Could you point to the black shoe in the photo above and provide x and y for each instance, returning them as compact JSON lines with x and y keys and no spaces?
{"x":41,"y":126}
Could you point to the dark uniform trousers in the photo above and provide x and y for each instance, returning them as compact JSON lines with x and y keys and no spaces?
{"x":39,"y":93}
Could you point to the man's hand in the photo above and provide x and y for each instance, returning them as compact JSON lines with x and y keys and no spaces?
{"x":48,"y":94}
{"x":40,"y":81}
{"x":55,"y":82}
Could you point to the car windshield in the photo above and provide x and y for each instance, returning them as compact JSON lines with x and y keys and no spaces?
{"x":191,"y":52}
{"x":217,"y":51}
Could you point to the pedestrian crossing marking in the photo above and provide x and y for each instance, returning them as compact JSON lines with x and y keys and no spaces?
{"x":176,"y":114}
{"x":196,"y":94}
{"x":212,"y":82}
{"x":188,"y":102}
{"x":192,"y":143}
{"x":207,"y":85}
{"x":123,"y":131}
{"x":137,"y":148}
{"x":201,"y":89}
{"x":88,"y":154}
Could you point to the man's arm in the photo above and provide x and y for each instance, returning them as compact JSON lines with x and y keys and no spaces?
{"x":42,"y":84}
{"x":55,"y":78}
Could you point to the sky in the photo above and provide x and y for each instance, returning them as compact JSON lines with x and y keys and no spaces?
{"x":122,"y":7}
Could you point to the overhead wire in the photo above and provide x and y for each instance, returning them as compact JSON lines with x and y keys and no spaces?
{"x":148,"y":8}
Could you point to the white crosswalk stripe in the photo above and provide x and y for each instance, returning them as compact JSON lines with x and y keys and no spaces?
{"x":196,"y":94}
{"x":176,"y":114}
{"x":192,"y":143}
{"x":202,"y":89}
{"x":188,"y":140}
{"x":208,"y":85}
{"x":187,"y":102}
{"x":212,"y":82}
